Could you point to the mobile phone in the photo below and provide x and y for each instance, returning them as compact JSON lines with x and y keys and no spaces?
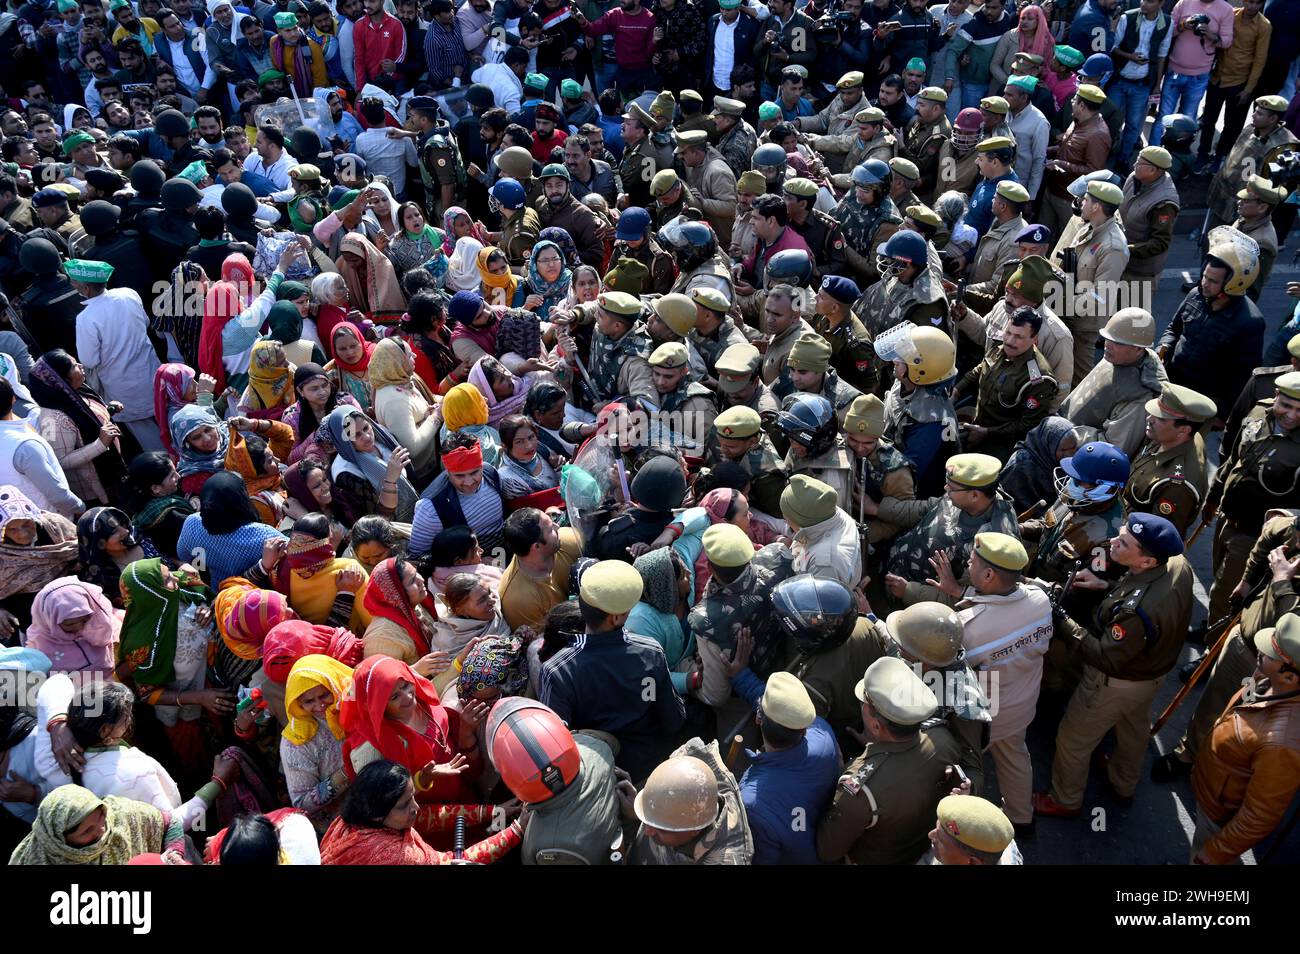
{"x":955,"y":771}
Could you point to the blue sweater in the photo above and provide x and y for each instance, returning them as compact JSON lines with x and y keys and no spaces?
{"x":785,"y":793}
{"x":1091,"y":32}
{"x":221,"y":555}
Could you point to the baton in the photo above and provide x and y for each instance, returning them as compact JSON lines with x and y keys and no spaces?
{"x":1206,"y":662}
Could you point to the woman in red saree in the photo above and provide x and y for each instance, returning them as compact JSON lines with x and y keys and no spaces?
{"x":392,"y":712}
{"x":379,"y":821}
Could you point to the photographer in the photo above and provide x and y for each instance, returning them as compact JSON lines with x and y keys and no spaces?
{"x":843,"y":41}
{"x":789,"y":40}
{"x":1201,"y":29}
{"x":911,"y":32}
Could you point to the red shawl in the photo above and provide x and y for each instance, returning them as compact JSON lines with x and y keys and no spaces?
{"x":345,"y":844}
{"x":362,"y":714}
{"x":386,"y":597}
{"x":289,"y":641}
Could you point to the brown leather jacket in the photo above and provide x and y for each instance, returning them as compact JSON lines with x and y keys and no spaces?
{"x":1247,"y":774}
{"x":1084,"y":148}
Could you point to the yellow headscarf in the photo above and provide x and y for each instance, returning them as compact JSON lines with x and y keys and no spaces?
{"x":497,"y":289}
{"x":269,"y":378}
{"x":388,"y":365}
{"x":462,"y":406}
{"x":308,"y":672}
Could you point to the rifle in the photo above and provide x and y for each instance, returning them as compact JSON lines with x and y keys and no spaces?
{"x":1206,"y":662}
{"x":1192,"y":539}
{"x":1066,"y":586}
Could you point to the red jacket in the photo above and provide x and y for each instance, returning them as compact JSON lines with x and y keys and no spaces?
{"x":373,"y":44}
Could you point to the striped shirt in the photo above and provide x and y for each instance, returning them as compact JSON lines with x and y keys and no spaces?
{"x":444,"y":50}
{"x":483,"y":513}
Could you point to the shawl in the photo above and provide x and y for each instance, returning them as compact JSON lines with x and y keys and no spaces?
{"x":453,"y":633}
{"x":185,"y":421}
{"x":270,"y":382}
{"x":562,"y":240}
{"x":310,"y":671}
{"x":386,"y":598}
{"x":392,"y":226}
{"x":245,"y":615}
{"x":159,"y":508}
{"x":497,"y":289}
{"x":296,"y":484}
{"x":307,"y":420}
{"x":260,"y":487}
{"x":660,"y":582}
{"x":373,"y":286}
{"x":170,"y":382}
{"x":28,"y":568}
{"x":1042,"y":42}
{"x":152,"y":615}
{"x":449,"y":218}
{"x":344,"y":844}
{"x":462,"y":265}
{"x":494,"y":663}
{"x":92,"y":648}
{"x":504,"y":407}
{"x":288,"y":642}
{"x":94,"y":528}
{"x":1029,"y":474}
{"x":301,"y":73}
{"x":372,"y":465}
{"x":132,"y":828}
{"x":51,"y":390}
{"x":463,"y":406}
{"x":364,"y":719}
{"x":553,"y":293}
{"x":221,"y":305}
{"x":367,"y":348}
{"x":388,"y":365}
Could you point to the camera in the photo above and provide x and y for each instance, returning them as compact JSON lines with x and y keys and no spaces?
{"x":832,"y":23}
{"x":1198,"y":23}
{"x":1284,"y":171}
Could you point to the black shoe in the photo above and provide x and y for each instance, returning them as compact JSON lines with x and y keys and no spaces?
{"x":1197,"y":634}
{"x":1186,"y":669}
{"x":1101,"y":764}
{"x":1025,"y":831}
{"x":1167,"y":768}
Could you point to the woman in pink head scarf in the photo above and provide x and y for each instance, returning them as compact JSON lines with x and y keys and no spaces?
{"x":76,"y":626}
{"x":725,"y":505}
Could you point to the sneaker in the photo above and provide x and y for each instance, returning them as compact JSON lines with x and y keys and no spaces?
{"x":1167,"y":768}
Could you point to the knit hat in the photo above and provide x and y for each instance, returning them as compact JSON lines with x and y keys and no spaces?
{"x":464,"y":306}
{"x":806,"y":501}
{"x":627,"y":275}
{"x":811,"y":352}
{"x":752,"y":182}
{"x":659,"y":485}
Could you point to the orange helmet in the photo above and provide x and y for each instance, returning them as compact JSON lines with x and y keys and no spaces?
{"x":532,"y":749}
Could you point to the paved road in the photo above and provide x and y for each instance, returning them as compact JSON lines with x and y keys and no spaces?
{"x":1157,"y":829}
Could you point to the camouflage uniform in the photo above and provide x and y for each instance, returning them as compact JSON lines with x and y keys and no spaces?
{"x":636,"y":169}
{"x":922,"y":143}
{"x":440,"y":165}
{"x":725,"y":608}
{"x":693,"y":404}
{"x":852,"y":356}
{"x":923,"y":407}
{"x":622,"y":367}
{"x":711,"y":346}
{"x":727,"y":841}
{"x":833,"y":468}
{"x":762,"y":463}
{"x":864,"y":227}
{"x":737,"y":147}
{"x":839,"y":393}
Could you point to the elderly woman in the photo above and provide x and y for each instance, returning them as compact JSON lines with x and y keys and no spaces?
{"x":1030,"y":472}
{"x":424,"y":329}
{"x":465,"y":411}
{"x":270,"y":378}
{"x":75,"y":420}
{"x":351,"y":363}
{"x":372,"y":284}
{"x":75,"y":625}
{"x":468,"y":492}
{"x":36,"y":546}
{"x":369,"y":470}
{"x":524,"y":470}
{"x":379,"y":821}
{"x":405,"y":405}
{"x":329,"y":292}
{"x":74,"y":826}
{"x":311,"y":746}
{"x":174,"y":386}
{"x":472,"y":613}
{"x":226,"y":536}
{"x":661,"y":614}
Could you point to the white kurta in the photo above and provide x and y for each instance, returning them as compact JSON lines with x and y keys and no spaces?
{"x":113,"y":345}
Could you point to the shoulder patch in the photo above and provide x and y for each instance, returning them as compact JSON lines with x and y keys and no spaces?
{"x":1165,"y":508}
{"x":1117,"y":633}
{"x":1031,"y":403}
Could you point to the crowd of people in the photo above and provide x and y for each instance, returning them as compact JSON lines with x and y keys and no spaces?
{"x":695,"y":433}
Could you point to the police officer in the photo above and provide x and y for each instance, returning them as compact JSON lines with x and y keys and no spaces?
{"x":639,"y":163}
{"x":810,"y":373}
{"x":972,"y":831}
{"x":670,"y":318}
{"x":737,"y":436}
{"x":685,"y":407}
{"x":903,"y":177}
{"x":737,"y":139}
{"x":885,"y":802}
{"x":783,"y":320}
{"x":879,"y":471}
{"x":1255,"y":204}
{"x":619,"y":348}
{"x":912,"y":290}
{"x":690,"y":812}
{"x":919,"y":417}
{"x":867,"y":140}
{"x":998,"y":251}
{"x":851,"y":354}
{"x":925,"y":135}
{"x":1171,"y":476}
{"x":1149,"y":213}
{"x":820,"y":230}
{"x":1260,"y":386}
{"x":50,"y":306}
{"x":714,"y":331}
{"x":941,"y":530}
{"x":816,"y":447}
{"x":441,"y":170}
{"x":633,"y":238}
{"x":672,"y":197}
{"x":1260,"y":143}
{"x":867,"y":217}
{"x":1261,"y":472}
{"x":519,"y":222}
{"x":740,"y":383}
{"x":1015,"y":389}
{"x":1129,"y":644}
